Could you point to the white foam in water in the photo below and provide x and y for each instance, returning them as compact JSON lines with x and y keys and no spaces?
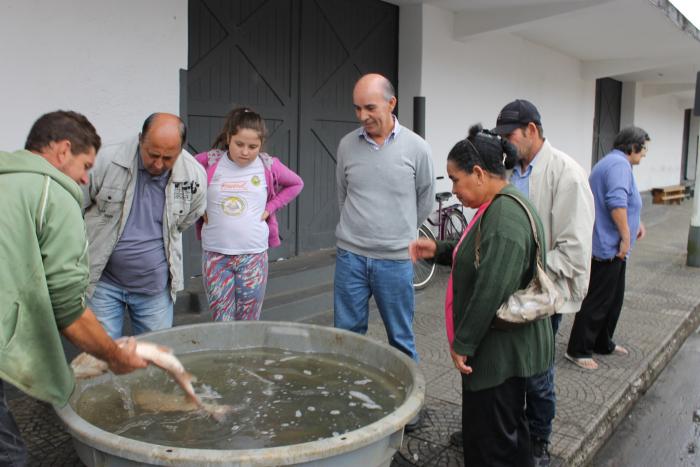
{"x":368,"y":402}
{"x":362,"y":382}
{"x":134,"y":424}
{"x":335,"y":412}
{"x":207,"y":392}
{"x":307,"y":372}
{"x":278,"y":377}
{"x":260,"y":378}
{"x":311,"y":408}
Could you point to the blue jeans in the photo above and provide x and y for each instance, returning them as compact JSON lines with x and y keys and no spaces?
{"x":540,"y":399}
{"x":13,"y":453}
{"x":147,"y":312}
{"x":357,"y":278}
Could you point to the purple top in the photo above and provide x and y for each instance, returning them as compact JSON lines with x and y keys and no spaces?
{"x":613,"y":186}
{"x":138,"y":262}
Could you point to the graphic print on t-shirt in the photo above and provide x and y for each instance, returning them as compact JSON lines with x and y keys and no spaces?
{"x":236,"y":200}
{"x":233,"y":206}
{"x":233,"y":186}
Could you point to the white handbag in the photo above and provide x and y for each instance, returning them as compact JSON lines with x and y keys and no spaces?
{"x":540,"y":299}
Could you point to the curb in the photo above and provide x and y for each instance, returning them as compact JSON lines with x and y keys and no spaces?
{"x":606,"y":424}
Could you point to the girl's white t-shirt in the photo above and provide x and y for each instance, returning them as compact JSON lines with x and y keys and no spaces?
{"x":236,"y":199}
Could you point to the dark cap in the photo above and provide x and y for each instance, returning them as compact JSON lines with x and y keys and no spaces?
{"x":516,"y":114}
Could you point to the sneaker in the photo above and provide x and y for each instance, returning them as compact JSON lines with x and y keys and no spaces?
{"x":456,"y":439}
{"x":540,"y":452}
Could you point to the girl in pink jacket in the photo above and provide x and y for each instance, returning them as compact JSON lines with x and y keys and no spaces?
{"x":245,"y":189}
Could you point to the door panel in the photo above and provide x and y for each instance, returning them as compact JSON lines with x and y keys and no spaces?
{"x":243,"y":53}
{"x":295,"y":62}
{"x":340,"y":41}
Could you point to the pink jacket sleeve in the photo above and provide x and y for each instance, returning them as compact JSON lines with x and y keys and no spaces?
{"x":290,"y":183}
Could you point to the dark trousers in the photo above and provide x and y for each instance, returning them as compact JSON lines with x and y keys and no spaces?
{"x":494,"y":427}
{"x":541,"y":400}
{"x":12,"y":450}
{"x":595,"y":323}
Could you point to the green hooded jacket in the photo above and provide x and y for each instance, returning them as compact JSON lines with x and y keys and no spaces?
{"x":43,"y":273}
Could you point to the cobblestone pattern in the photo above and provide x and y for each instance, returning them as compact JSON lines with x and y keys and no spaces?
{"x":47,"y":442}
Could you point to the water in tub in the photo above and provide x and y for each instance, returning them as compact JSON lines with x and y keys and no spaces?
{"x":278,"y":397}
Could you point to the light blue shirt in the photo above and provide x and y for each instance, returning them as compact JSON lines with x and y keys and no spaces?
{"x":613,"y":186}
{"x":520,"y":179}
{"x":363,"y":134}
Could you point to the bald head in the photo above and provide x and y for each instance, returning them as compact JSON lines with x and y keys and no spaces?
{"x":161,"y":141}
{"x":374,"y":100}
{"x":373,"y":82}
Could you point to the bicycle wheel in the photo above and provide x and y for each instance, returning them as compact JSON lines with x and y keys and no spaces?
{"x":423,"y":269}
{"x":455,"y":223}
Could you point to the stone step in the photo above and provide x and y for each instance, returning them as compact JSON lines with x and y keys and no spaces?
{"x":298,"y":289}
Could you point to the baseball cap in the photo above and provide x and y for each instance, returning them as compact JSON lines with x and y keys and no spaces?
{"x":515,"y":115}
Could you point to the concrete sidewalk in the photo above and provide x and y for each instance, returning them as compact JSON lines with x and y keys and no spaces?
{"x":661,"y":309}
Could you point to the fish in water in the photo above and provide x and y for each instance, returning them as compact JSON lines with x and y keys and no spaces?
{"x":87,"y":366}
{"x":152,"y":400}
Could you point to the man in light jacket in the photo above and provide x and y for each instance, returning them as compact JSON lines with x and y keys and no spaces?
{"x":142,"y":194}
{"x":558,"y":188}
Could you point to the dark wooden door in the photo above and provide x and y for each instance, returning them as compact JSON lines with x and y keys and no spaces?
{"x":340,"y":41}
{"x":606,"y":123}
{"x":295,"y":62}
{"x":244,"y":53}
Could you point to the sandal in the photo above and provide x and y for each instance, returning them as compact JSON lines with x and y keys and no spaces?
{"x":620,"y":350}
{"x":585,"y":363}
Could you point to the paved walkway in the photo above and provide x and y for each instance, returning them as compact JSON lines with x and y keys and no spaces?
{"x":661,"y":309}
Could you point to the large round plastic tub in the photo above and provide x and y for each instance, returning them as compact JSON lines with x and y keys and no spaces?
{"x":372,"y":445}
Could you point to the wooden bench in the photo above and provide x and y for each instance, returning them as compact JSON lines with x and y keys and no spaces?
{"x":668,"y":194}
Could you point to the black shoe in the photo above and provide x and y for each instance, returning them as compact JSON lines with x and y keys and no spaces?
{"x":415,"y":423}
{"x":540,"y":452}
{"x":456,"y":439}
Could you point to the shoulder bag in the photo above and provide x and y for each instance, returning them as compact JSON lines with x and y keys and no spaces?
{"x":538,"y":300}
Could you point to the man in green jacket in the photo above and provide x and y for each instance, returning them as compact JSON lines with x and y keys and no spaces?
{"x":44,"y":269}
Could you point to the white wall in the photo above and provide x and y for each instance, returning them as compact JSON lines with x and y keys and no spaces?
{"x":114,"y":61}
{"x":663,"y":118}
{"x":467,"y":83}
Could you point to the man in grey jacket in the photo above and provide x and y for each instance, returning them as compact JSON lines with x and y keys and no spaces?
{"x":142,"y":194}
{"x":385,"y":191}
{"x":558,"y":188}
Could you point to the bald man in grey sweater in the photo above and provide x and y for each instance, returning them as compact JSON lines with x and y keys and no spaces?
{"x":385,"y":191}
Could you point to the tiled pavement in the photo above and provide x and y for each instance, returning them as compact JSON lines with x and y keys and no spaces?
{"x":661,"y":309}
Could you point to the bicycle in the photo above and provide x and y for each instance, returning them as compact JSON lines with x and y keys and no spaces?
{"x":450,"y":224}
